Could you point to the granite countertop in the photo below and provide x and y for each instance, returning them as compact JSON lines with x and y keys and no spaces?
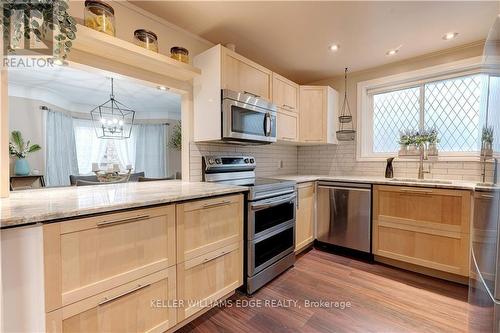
{"x":32,"y":206}
{"x":454,"y":184}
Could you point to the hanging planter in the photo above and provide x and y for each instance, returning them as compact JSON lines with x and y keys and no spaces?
{"x":346,"y":130}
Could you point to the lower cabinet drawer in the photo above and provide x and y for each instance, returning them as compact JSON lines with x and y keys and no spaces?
{"x":209,"y":277}
{"x":447,"y":253}
{"x":88,"y":256}
{"x":206,"y":225}
{"x":139,"y":306}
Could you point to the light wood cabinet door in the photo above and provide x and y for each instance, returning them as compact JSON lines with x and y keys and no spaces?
{"x":287,"y":126}
{"x":423,"y":226}
{"x":313,"y":105}
{"x":285,"y":93}
{"x":304,"y":228}
{"x":207,"y":225}
{"x":242,"y":75}
{"x":91,"y":255}
{"x":208,"y":278}
{"x":138,"y":306}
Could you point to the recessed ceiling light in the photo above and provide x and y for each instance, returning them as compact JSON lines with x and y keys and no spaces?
{"x":334,"y":47}
{"x":450,"y":35}
{"x":392,"y":52}
{"x":162,"y":88}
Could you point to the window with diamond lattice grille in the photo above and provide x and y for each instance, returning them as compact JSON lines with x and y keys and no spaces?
{"x":452,"y":107}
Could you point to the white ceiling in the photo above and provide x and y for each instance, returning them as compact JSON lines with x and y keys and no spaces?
{"x":292,"y":37}
{"x":80,"y":91}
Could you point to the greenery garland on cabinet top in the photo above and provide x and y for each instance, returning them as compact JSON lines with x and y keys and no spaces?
{"x":36,"y":19}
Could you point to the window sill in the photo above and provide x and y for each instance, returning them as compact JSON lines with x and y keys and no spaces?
{"x":440,"y":158}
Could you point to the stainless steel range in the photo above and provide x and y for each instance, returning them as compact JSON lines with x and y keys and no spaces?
{"x":270,"y":217}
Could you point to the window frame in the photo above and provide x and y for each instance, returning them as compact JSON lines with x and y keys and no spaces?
{"x":412,"y":79}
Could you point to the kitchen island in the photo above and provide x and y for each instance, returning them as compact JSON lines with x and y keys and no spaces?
{"x":77,"y":258}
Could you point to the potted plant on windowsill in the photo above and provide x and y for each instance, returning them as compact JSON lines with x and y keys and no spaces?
{"x":20,"y":150}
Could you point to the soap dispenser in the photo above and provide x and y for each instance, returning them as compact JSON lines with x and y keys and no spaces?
{"x":389,"y":170}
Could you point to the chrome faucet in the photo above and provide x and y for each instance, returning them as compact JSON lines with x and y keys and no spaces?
{"x":423,"y":156}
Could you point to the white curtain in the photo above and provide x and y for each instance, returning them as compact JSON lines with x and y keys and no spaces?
{"x":150,"y":149}
{"x":90,"y":149}
{"x":61,"y":157}
{"x":125,"y":150}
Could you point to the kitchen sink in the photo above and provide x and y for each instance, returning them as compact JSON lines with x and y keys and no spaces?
{"x":424,"y":181}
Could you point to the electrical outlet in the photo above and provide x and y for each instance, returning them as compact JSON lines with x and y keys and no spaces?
{"x":280,"y":164}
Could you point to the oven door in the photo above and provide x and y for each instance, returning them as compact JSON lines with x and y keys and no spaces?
{"x":270,"y":248}
{"x":267,"y":215}
{"x":247,"y":122}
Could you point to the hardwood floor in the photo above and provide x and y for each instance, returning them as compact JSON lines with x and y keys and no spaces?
{"x":383,"y":299}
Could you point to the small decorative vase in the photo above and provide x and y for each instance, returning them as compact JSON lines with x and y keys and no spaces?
{"x":487,"y":149}
{"x":22,"y":168}
{"x":433,"y":149}
{"x":412,"y":149}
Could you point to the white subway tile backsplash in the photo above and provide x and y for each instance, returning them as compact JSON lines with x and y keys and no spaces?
{"x":268,"y":157}
{"x":327,"y":160}
{"x":337,"y":160}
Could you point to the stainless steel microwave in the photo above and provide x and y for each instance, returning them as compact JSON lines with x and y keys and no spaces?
{"x":247,"y":118}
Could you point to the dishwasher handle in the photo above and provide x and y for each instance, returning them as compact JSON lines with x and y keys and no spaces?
{"x":346,"y":185}
{"x":345,"y":188}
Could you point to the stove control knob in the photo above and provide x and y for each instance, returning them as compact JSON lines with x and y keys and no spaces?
{"x":246,"y":160}
{"x":218,"y":161}
{"x":252,"y":160}
{"x":211,"y":161}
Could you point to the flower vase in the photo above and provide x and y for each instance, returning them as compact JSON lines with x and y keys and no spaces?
{"x":403,"y":149}
{"x":433,"y":149}
{"x":22,"y":167}
{"x":487,"y":149}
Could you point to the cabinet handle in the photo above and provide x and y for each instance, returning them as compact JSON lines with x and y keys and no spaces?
{"x":487,"y":196}
{"x":217,"y":256}
{"x":116,"y":222}
{"x":404,"y":190}
{"x":252,"y":94}
{"x":217,"y":204}
{"x":288,"y":107}
{"x":107,"y":300}
{"x":287,"y":138}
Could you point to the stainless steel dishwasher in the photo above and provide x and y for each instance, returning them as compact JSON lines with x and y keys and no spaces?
{"x":344,"y":217}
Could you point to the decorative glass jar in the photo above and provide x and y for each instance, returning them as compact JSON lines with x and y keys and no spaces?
{"x":146,"y":39}
{"x":100,"y":16}
{"x":179,"y":53}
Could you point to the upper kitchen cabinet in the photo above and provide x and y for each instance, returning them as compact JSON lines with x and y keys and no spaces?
{"x":318,"y":114}
{"x":223,"y":69}
{"x":243,"y":75}
{"x":285,"y":93}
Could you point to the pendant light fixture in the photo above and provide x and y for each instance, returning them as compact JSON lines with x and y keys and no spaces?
{"x":346,"y":130}
{"x":112,"y":119}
